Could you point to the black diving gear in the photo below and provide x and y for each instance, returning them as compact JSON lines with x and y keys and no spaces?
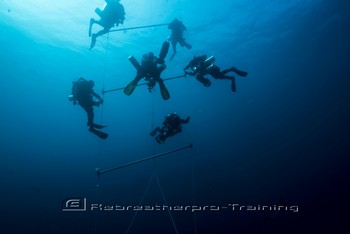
{"x":171,"y":126}
{"x":82,"y":94}
{"x":201,"y":66}
{"x":151,"y":67}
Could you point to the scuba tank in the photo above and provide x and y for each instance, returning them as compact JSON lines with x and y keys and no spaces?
{"x":79,"y":87}
{"x":72,"y":97}
{"x":207,"y":63}
{"x":134,"y":62}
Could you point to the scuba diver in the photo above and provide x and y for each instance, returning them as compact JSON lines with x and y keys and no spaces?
{"x":151,"y":67}
{"x":112,"y":14}
{"x":171,"y":126}
{"x":177,"y":28}
{"x":82,"y":93}
{"x":201,"y":66}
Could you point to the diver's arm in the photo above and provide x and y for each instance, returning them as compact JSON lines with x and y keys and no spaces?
{"x":96,"y":95}
{"x":185,"y":121}
{"x":187,"y":67}
{"x":190,"y":65}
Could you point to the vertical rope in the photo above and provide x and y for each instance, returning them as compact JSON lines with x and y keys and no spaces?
{"x":155,"y":170}
{"x":104,"y":75}
{"x":194,"y":193}
{"x":141,"y":202}
{"x":99,"y":159}
{"x":152,"y":122}
{"x":166,"y":203}
{"x":102,"y":109}
{"x":193,"y":180}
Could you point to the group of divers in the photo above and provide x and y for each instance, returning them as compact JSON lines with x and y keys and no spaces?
{"x":150,"y":69}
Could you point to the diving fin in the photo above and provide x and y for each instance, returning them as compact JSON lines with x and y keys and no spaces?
{"x":93,"y":41}
{"x":130,"y":88}
{"x":164,"y":91}
{"x":233,"y":85}
{"x":164,"y":51}
{"x":134,"y":62}
{"x":98,"y":126}
{"x":98,"y":133}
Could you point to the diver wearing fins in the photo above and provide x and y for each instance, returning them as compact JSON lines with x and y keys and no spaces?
{"x":202,"y":65}
{"x":171,"y":126}
{"x":177,"y":28}
{"x":83,"y":93}
{"x":112,"y":14}
{"x":151,"y":67}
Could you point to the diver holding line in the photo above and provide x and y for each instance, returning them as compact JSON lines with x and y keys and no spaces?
{"x":82,"y":94}
{"x":202,"y":65}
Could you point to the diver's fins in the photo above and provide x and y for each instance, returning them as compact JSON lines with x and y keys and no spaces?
{"x":134,"y":62}
{"x":98,"y":133}
{"x":188,"y":46}
{"x":98,"y":126}
{"x":130,"y":88}
{"x":164,"y":91}
{"x":239,"y":72}
{"x":93,"y":41}
{"x":233,"y":85}
{"x":164,"y":51}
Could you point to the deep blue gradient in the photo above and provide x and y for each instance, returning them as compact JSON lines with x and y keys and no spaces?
{"x":282,"y":138}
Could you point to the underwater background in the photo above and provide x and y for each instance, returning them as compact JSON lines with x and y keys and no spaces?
{"x":281,"y":139}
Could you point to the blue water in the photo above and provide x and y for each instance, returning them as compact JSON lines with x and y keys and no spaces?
{"x":282,"y":138}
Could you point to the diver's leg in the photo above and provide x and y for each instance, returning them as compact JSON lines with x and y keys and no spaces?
{"x":173,"y":44}
{"x":95,"y":35}
{"x":239,"y":72}
{"x":223,"y":73}
{"x":90,"y":114}
{"x":163,"y":90}
{"x":205,"y":81}
{"x":233,"y":84}
{"x":183,"y":43}
{"x":102,"y":32}
{"x":188,"y":46}
{"x":92,"y":21}
{"x":232,"y":78}
{"x":94,"y":125}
